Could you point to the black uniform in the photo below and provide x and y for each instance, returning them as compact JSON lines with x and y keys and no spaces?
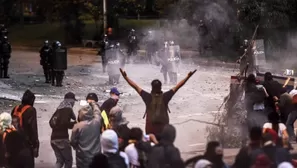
{"x":151,"y":47}
{"x":132,"y":45}
{"x":103,"y":46}
{"x":243,"y":54}
{"x":5,"y":54}
{"x":115,"y":59}
{"x":45,"y":57}
{"x":57,"y":73}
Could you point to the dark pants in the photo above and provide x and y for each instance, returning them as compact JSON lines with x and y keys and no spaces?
{"x":4,"y":62}
{"x":114,"y":79}
{"x":103,"y":59}
{"x":63,"y":153}
{"x":24,"y":159}
{"x":149,"y":56}
{"x":57,"y":77}
{"x":47,"y":73}
{"x":290,"y":124}
{"x":172,"y":77}
{"x":131,"y":52}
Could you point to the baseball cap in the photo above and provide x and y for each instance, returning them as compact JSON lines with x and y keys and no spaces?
{"x":70,"y":95}
{"x":115,"y":91}
{"x":92,"y":96}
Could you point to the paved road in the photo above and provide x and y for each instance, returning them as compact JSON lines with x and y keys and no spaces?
{"x":197,"y":100}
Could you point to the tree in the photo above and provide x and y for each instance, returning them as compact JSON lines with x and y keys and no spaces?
{"x":95,"y":10}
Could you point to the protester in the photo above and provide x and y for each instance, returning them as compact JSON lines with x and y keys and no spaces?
{"x":214,"y":154}
{"x":24,"y":119}
{"x":292,"y":118}
{"x":110,"y":148}
{"x":112,"y":101}
{"x":279,"y":128}
{"x":60,"y":123}
{"x":92,"y":97}
{"x":138,"y":150}
{"x":242,"y":159}
{"x":165,"y":154}
{"x":275,"y":153}
{"x":120,"y":125}
{"x":14,"y":152}
{"x":85,"y":138}
{"x":274,"y":91}
{"x":285,"y":105}
{"x":255,"y":96}
{"x":100,"y":161}
{"x":156,"y":103}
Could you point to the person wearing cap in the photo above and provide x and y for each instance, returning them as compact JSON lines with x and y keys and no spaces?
{"x":112,"y":101}
{"x":60,"y":122}
{"x":85,"y":137}
{"x":156,"y":103}
{"x":28,"y":115}
{"x":92,"y":97}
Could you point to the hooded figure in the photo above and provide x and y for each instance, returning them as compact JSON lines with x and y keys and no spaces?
{"x":110,"y":148}
{"x":14,"y":151}
{"x":285,"y":165}
{"x":85,"y":138}
{"x":60,"y":123}
{"x":165,"y":154}
{"x":214,"y":153}
{"x":26,"y":113}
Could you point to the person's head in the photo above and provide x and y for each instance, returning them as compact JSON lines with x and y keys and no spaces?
{"x":109,"y":142}
{"x":273,"y":117}
{"x":156,"y":86}
{"x":262,"y":161}
{"x":213,"y":148}
{"x":114,"y":92}
{"x":272,"y":135}
{"x":5,"y":121}
{"x":70,"y":97}
{"x":92,"y":97}
{"x":268,"y":139}
{"x":116,"y":117}
{"x":168,"y":134}
{"x":203,"y":163}
{"x":251,"y":79}
{"x":268,"y":76}
{"x":100,"y":161}
{"x":85,"y":113}
{"x":46,"y":43}
{"x":285,"y":165}
{"x":256,"y":134}
{"x":28,"y":98}
{"x":136,"y":134}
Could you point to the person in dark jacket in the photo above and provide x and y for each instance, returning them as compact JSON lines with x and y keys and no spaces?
{"x":273,"y":89}
{"x":14,"y":152}
{"x":92,"y":97}
{"x":165,"y":154}
{"x":214,"y":154}
{"x":275,"y":154}
{"x":242,"y":159}
{"x":60,"y":123}
{"x":29,"y":121}
{"x":100,"y":161}
{"x":112,"y":101}
{"x":285,"y":105}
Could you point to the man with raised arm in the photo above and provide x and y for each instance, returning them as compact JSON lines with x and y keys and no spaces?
{"x":156,"y":103}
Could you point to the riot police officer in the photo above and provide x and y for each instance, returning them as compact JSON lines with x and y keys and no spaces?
{"x":103,"y":46}
{"x":3,"y":31}
{"x":57,"y":72}
{"x":151,"y":46}
{"x":163,"y":57}
{"x":5,"y":54}
{"x":115,"y":60}
{"x":45,"y":58}
{"x":243,"y":54}
{"x":132,"y":45}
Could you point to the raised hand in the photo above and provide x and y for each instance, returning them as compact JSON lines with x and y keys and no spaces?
{"x":124,"y":74}
{"x":191,"y":73}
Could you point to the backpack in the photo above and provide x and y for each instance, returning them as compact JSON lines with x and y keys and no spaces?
{"x":115,"y":160}
{"x":17,"y":117}
{"x":142,"y":157}
{"x":55,"y":120}
{"x":7,"y":131}
{"x":158,"y":110}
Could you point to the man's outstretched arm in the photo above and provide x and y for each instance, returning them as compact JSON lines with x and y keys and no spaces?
{"x":130,"y":82}
{"x":182,"y":82}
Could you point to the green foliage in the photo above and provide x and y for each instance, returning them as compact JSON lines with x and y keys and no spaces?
{"x":267,"y":13}
{"x":8,"y":10}
{"x":130,"y":7}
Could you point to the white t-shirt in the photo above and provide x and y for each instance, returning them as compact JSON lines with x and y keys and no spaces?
{"x":132,"y":153}
{"x":124,"y":155}
{"x":281,"y":126}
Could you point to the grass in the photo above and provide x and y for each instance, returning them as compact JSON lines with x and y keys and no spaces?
{"x":34,"y":35}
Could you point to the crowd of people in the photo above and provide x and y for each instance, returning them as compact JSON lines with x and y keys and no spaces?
{"x":101,"y":137}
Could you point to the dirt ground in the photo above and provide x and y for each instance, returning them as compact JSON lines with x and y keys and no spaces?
{"x":191,"y":108}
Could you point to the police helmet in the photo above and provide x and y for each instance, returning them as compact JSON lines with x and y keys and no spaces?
{"x":132,"y":30}
{"x":150,"y":32}
{"x":105,"y":35}
{"x":171,"y":42}
{"x":111,"y":46}
{"x":118,"y":44}
{"x":5,"y":38}
{"x":46,"y":42}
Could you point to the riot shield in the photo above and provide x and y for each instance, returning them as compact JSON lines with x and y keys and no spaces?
{"x":113,"y":61}
{"x":60,"y":59}
{"x":174,"y":58}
